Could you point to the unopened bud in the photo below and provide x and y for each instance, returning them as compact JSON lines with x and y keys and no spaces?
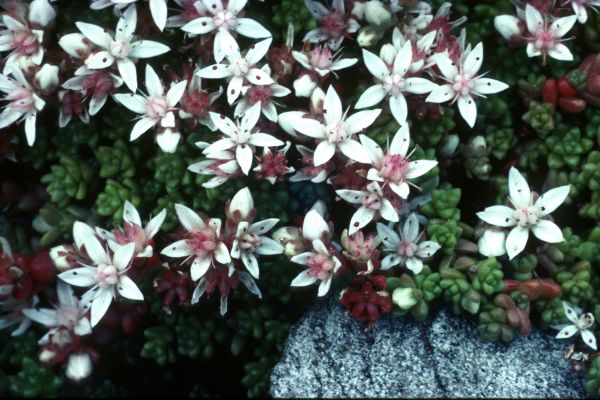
{"x":404,"y":298}
{"x":377,"y":14}
{"x":47,"y":77}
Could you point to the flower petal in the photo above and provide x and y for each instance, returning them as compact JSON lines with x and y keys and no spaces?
{"x":468,"y":109}
{"x":178,"y":249}
{"x":190,"y":220}
{"x":441,"y":94}
{"x":518,"y":188}
{"x":303,"y":279}
{"x":141,"y":127}
{"x":250,"y":28}
{"x":549,"y":201}
{"x":269,"y":247}
{"x":360,"y":219}
{"x":354,"y":151}
{"x":419,"y":168}
{"x":361,"y":120}
{"x":128,"y":289}
{"x":314,"y":226}
{"x":498,"y":215}
{"x":489,"y":86}
{"x":158,"y":9}
{"x":410,"y":229}
{"x":100,"y":305}
{"x":324,"y":286}
{"x":200,"y":265}
{"x":567,"y":332}
{"x":516,"y":241}
{"x":123,"y":255}
{"x":251,"y":264}
{"x":547,"y":231}
{"x":589,"y":339}
{"x":370,"y":97}
{"x":414,"y":264}
{"x":474,"y":60}
{"x":332,"y":107}
{"x":130,"y":214}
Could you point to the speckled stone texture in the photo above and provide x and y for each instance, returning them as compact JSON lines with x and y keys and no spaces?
{"x":329,"y":355}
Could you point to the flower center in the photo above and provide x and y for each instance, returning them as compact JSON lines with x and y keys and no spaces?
{"x":407,"y":249}
{"x":24,"y":42}
{"x":21,"y":100}
{"x":321,"y":58}
{"x":321,"y":266}
{"x":156,"y":107}
{"x":526,"y":216}
{"x":249,"y":242}
{"x":68,"y":316}
{"x":393,"y":167}
{"x":463,"y":84}
{"x":585,"y":321}
{"x":336,"y":132}
{"x":544,"y":39}
{"x":107,"y":275}
{"x":203,"y":241}
{"x":333,"y":24}
{"x":394,"y":84}
{"x":120,"y":48}
{"x":98,"y":82}
{"x":225,"y":19}
{"x":372,"y":201}
{"x":260,"y":94}
{"x":240,"y":67}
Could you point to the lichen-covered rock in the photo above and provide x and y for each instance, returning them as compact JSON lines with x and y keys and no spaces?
{"x":329,"y":355}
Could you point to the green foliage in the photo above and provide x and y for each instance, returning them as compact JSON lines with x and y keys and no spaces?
{"x":159,"y":345}
{"x":489,"y":277}
{"x":69,"y":180}
{"x":567,"y":147}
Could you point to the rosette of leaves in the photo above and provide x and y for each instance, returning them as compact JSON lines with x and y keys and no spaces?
{"x":495,"y":111}
{"x":576,"y":285}
{"x":110,"y":202}
{"x":443,"y":203}
{"x":430,"y":131}
{"x":70,"y":179}
{"x":257,"y":374}
{"x":488,"y":277}
{"x":523,"y":266}
{"x":198,"y":337}
{"x":540,"y":116}
{"x":248,"y":323}
{"x":501,"y":140}
{"x":444,"y":232}
{"x":425,"y":287}
{"x":592,"y":382}
{"x":533,"y":155}
{"x":567,"y":147}
{"x":294,"y":12}
{"x":55,"y":223}
{"x":33,"y":380}
{"x":303,"y":195}
{"x":458,"y":291}
{"x":551,"y":311}
{"x":159,"y":345}
{"x":475,"y":155}
{"x":592,"y":129}
{"x":116,"y":161}
{"x":484,"y":15}
{"x":270,"y":201}
{"x":385,"y":126}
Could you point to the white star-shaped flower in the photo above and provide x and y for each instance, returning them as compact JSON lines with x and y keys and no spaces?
{"x":25,"y":43}
{"x":526,"y":214}
{"x":581,"y":324}
{"x":544,"y":37}
{"x":334,"y":24}
{"x":322,"y":61}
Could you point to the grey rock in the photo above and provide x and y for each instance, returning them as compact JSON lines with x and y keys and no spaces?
{"x":328,"y":354}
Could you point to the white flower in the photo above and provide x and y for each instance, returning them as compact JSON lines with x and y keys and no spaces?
{"x":580,"y":8}
{"x":158,"y":9}
{"x":406,"y":249}
{"x":526,"y":214}
{"x":392,"y":82}
{"x":157,"y":109}
{"x":372,"y":202}
{"x":24,"y":103}
{"x":222,"y":164}
{"x":322,"y":61}
{"x":239,"y":135}
{"x":108,"y":272}
{"x":463,"y":83}
{"x":334,"y":24}
{"x":202,"y":242}
{"x":321,"y":264}
{"x":41,"y":12}
{"x":224,"y":20}
{"x":249,"y":239}
{"x":70,"y":313}
{"x":120,"y":49}
{"x":240,"y":69}
{"x":581,"y":324}
{"x":263,"y":95}
{"x":491,"y":243}
{"x":100,"y":83}
{"x":25,"y":42}
{"x":421,"y":55}
{"x":545,"y":38}
{"x":309,"y":172}
{"x":393,"y":167}
{"x":337,"y":131}
{"x":79,"y":366}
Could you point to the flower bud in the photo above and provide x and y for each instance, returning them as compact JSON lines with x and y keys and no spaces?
{"x":47,"y":77}
{"x":41,"y":12}
{"x":317,"y":100}
{"x":79,"y":366}
{"x":76,"y":45}
{"x":404,"y":298}
{"x":508,"y":26}
{"x":367,"y":36}
{"x":58,"y":255}
{"x":304,"y":86}
{"x":290,"y":238}
{"x":168,"y":140}
{"x":388,"y":53}
{"x":376,"y":14}
{"x":491,"y":243}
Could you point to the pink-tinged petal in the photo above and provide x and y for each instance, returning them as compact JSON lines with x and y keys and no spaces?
{"x":343,"y":63}
{"x":259,"y":77}
{"x":332,"y":107}
{"x":12,"y":24}
{"x":234,"y":89}
{"x":133,"y":102}
{"x":127,"y":70}
{"x":219,"y":145}
{"x":251,"y":264}
{"x":158,"y":9}
{"x":399,"y":108}
{"x":264,"y":140}
{"x":200,"y":265}
{"x":177,"y":249}
{"x":401,"y":189}
{"x":65,"y":295}
{"x":200,"y":26}
{"x":100,"y":304}
{"x":123,"y":256}
{"x":301,"y":58}
{"x":130,"y":214}
{"x":175,"y":93}
{"x":419,"y":168}
{"x":315,"y":36}
{"x":252,"y":29}
{"x":242,"y":201}
{"x":314,"y":226}
{"x":351,"y":196}
{"x":589,"y":339}
{"x":44,"y":316}
{"x":507,"y":25}
{"x":401,"y":141}
{"x":562,"y":26}
{"x":354,"y":151}
{"x":361,"y":120}
{"x":468,"y":109}
{"x":373,"y":149}
{"x":153,"y":83}
{"x":83,"y":327}
{"x":8,"y":117}
{"x":474,"y":60}
{"x":570,"y":313}
{"x":552,"y":199}
{"x":516,"y":241}
{"x":323,"y":153}
{"x":498,"y":216}
{"x":269,"y":247}
{"x":533,"y":18}
{"x":560,"y":52}
{"x":446,"y":66}
{"x":251,"y":117}
{"x":190,"y":220}
{"x":244,"y":155}
{"x":82,"y":277}
{"x":128,"y":289}
{"x":371,"y":97}
{"x":360,"y":219}
{"x":224,"y":45}
{"x":547,"y":231}
{"x":388,"y":212}
{"x":324,"y":286}
{"x":141,"y":127}
{"x":414,"y":264}
{"x":403,"y":59}
{"x":567,"y":332}
{"x":95,"y":34}
{"x":155,"y":223}
{"x":419,"y":85}
{"x":258,"y":51}
{"x":489,"y":86}
{"x":100,"y":60}
{"x":303,"y":279}
{"x":410,"y":229}
{"x":373,"y":175}
{"x":375,"y":65}
{"x":427,"y":249}
{"x":520,"y":194}
{"x":215,"y":71}
{"x":441,"y":94}
{"x":223,"y":123}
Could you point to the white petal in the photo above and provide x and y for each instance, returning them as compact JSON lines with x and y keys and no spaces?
{"x":100,"y":60}
{"x":244,"y":156}
{"x":247,"y":280}
{"x":370,"y":97}
{"x":414,"y":264}
{"x":446,"y":66}
{"x":419,"y":85}
{"x":132,"y":101}
{"x":198,"y":291}
{"x":390,"y":261}
{"x":123,"y":255}
{"x":323,"y":153}
{"x":547,"y":231}
{"x":507,"y":25}
{"x":324,"y":286}
{"x":492,"y":243}
{"x":303,"y":279}
{"x":269,"y":247}
{"x":361,"y":120}
{"x":222,"y":254}
{"x":441,"y":94}
{"x":468,"y":109}
{"x":251,"y":264}
{"x":175,"y":93}
{"x":516,"y":241}
{"x":419,"y":168}
{"x":589,"y":339}
{"x":306,"y":126}
{"x":560,"y":52}
{"x":234,"y":88}
{"x":44,"y":316}
{"x":263,"y":226}
{"x":570,"y":313}
{"x":332,"y":107}
{"x":250,"y":28}
{"x":498,"y":215}
{"x":562,"y":26}
{"x":141,"y":127}
{"x":567,"y":332}
{"x":215,"y":71}
{"x":95,"y":34}
{"x":373,"y":149}
{"x":518,"y":188}
{"x":474,"y":60}
{"x":552,"y":199}
{"x":264,"y":140}
{"x":224,"y":45}
{"x":130,"y":214}
{"x":399,"y":108}
{"x":489,"y":86}
{"x":200,"y":26}
{"x":128,"y":289}
{"x":360,"y":219}
{"x":401,"y":141}
{"x":177,"y":249}
{"x":199,"y":267}
{"x":147,"y":49}
{"x":387,"y":211}
{"x":533,"y":18}
{"x":375,"y":65}
{"x":190,"y":220}
{"x":258,"y":51}
{"x":242,"y":201}
{"x":390,"y":239}
{"x":410,"y":229}
{"x":314,"y":226}
{"x":354,"y":151}
{"x":94,"y":249}
{"x":427,"y":249}
{"x":100,"y":305}
{"x":401,"y":189}
{"x":158,"y":9}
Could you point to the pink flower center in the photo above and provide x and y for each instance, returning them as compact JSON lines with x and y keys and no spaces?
{"x":393,"y":167}
{"x":407,"y":249}
{"x":240,"y":67}
{"x":249,"y":242}
{"x":372,"y":201}
{"x":321,"y":266}
{"x":107,"y":275}
{"x":334,"y":25}
{"x":156,"y":107}
{"x":21,"y":100}
{"x":321,"y":57}
{"x":463,"y":84}
{"x":120,"y":48}
{"x":100,"y":83}
{"x":260,"y":94}
{"x":394,"y":84}
{"x":72,"y":103}
{"x":225,"y":19}
{"x":133,"y":234}
{"x":196,"y":103}
{"x":68,"y":316}
{"x":544,"y":39}
{"x":203,"y":241}
{"x":24,"y":42}
{"x":336,"y":132}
